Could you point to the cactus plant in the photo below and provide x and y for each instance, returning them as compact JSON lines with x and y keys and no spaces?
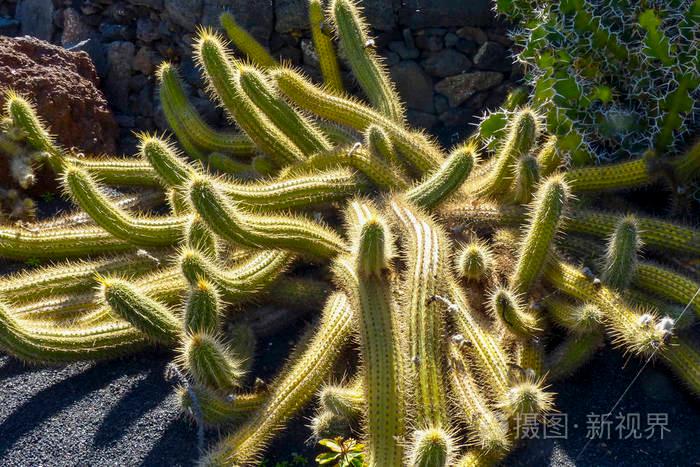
{"x":451,"y":304}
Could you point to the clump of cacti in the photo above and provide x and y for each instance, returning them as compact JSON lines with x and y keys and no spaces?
{"x":452,"y":308}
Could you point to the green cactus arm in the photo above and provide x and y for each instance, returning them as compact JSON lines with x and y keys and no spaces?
{"x":523,"y":131}
{"x":186,"y":122}
{"x":246,"y":43}
{"x":24,"y":117}
{"x":487,"y":428}
{"x":578,"y":319}
{"x":550,"y":157}
{"x":302,"y":191}
{"x":476,"y":458}
{"x":121,"y":171}
{"x":668,"y":284}
{"x":686,"y":167}
{"x":636,"y":332}
{"x":378,"y":142}
{"x":221,"y":163}
{"x":218,"y":411}
{"x":475,"y":261}
{"x":573,"y":353}
{"x":66,"y":345}
{"x":323,"y":43}
{"x":607,"y":177}
{"x":381,"y":174}
{"x":445,"y":180}
{"x":527,"y":177}
{"x":547,"y":210}
{"x":225,"y":85}
{"x":210,"y":363}
{"x":684,"y":361}
{"x":426,"y":247}
{"x":144,"y":231}
{"x":244,"y":280}
{"x":147,"y":315}
{"x":74,"y":276}
{"x":203,"y":309}
{"x":300,"y":129}
{"x":56,"y":310}
{"x":432,"y":447}
{"x":292,"y":233}
{"x":357,"y":48}
{"x":643,"y":299}
{"x":168,"y":164}
{"x":508,"y":308}
{"x":346,"y":401}
{"x":199,"y":237}
{"x":365,"y":277}
{"x":530,"y":356}
{"x":294,"y":387}
{"x":620,"y":263}
{"x":23,"y":243}
{"x":416,"y":148}
{"x":656,"y":234}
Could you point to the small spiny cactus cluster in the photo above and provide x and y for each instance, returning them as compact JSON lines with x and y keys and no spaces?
{"x":446,"y":272}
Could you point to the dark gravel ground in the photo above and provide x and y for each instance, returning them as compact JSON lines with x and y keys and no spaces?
{"x":125,"y":413}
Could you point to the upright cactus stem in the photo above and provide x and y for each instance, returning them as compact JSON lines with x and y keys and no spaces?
{"x":547,"y":212}
{"x":225,"y":85}
{"x":509,"y":309}
{"x":203,"y":309}
{"x":527,"y":177}
{"x":246,"y":43}
{"x":302,"y":131}
{"x":620,"y":263}
{"x":523,"y":132}
{"x":365,"y":276}
{"x":210,"y":363}
{"x":186,"y":122}
{"x":475,"y":261}
{"x":323,"y":43}
{"x":358,"y":49}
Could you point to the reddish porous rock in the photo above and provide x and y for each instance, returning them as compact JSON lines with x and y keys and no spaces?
{"x":63,"y":85}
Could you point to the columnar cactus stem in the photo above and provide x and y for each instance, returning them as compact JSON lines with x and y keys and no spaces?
{"x":328,"y":60}
{"x":169,"y":166}
{"x":291,"y":233}
{"x":684,"y":360}
{"x":297,"y":127}
{"x":510,"y":311}
{"x":488,"y":429}
{"x":380,"y":173}
{"x":203,"y":309}
{"x":358,"y":49}
{"x":365,"y":277}
{"x":547,"y":211}
{"x":530,"y":356}
{"x":186,"y":122}
{"x":414,"y":147}
{"x":210,"y":363}
{"x":218,"y":411}
{"x":294,"y":387}
{"x":199,"y":237}
{"x":378,"y":142}
{"x":522,"y":134}
{"x":139,"y":231}
{"x":656,"y":234}
{"x":66,"y":345}
{"x":73,"y":276}
{"x":445,"y":180}
{"x":637,"y":333}
{"x":428,"y":267}
{"x":145,"y":314}
{"x":550,"y":158}
{"x":475,"y":261}
{"x":116,"y":170}
{"x":668,"y":284}
{"x":246,"y":43}
{"x":527,"y":177}
{"x":579,"y":319}
{"x":244,"y":280}
{"x":620,"y":263}
{"x":224,"y":81}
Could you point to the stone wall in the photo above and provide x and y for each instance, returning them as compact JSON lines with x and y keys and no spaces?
{"x":449,"y":58}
